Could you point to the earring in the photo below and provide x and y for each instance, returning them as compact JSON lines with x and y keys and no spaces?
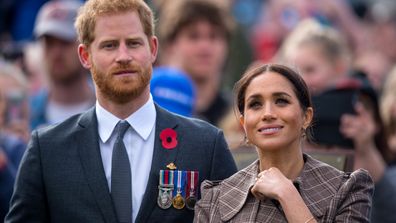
{"x":246,"y":140}
{"x":304,"y":132}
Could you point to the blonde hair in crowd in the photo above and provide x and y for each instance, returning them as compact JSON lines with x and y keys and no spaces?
{"x":388,"y":99}
{"x":310,"y":32}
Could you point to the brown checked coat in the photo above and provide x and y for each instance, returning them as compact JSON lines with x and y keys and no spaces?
{"x":331,"y":196}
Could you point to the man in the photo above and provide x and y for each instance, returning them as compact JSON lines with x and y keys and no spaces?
{"x":72,"y":173}
{"x":69,"y":91}
{"x":195,"y":36}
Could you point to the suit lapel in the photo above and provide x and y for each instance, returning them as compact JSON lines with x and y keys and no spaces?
{"x":161,"y":158}
{"x":88,"y":147}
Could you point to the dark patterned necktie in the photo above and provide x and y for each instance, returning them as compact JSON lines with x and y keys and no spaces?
{"x":121,"y":183}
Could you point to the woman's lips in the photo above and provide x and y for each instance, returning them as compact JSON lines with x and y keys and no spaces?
{"x":270,"y":129}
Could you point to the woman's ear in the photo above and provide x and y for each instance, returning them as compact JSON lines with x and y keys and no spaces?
{"x":242,"y":122}
{"x":308,"y":117}
{"x":83,"y":54}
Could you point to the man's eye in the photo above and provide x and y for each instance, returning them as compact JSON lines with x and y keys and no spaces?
{"x":108,"y":45}
{"x":134,"y":44}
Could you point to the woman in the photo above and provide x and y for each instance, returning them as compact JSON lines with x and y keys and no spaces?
{"x":284,"y":184}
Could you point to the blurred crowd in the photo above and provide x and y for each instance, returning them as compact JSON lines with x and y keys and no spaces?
{"x":344,"y":50}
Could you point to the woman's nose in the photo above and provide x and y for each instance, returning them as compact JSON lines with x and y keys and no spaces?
{"x":268,"y":113}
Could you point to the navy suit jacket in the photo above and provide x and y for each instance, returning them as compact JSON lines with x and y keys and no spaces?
{"x":61,"y":177}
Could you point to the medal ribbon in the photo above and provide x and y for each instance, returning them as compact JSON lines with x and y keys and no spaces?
{"x":161,"y":179}
{"x":171,"y":176}
{"x":192,"y":183}
{"x":183,"y":183}
{"x":179,"y":179}
{"x":166,"y":177}
{"x":188,"y":186}
{"x":194,"y":179}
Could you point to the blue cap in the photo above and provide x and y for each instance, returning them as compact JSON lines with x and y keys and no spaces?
{"x":173,"y":90}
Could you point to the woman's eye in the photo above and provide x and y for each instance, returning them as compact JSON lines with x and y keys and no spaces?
{"x":282,"y":101}
{"x":254,"y":104}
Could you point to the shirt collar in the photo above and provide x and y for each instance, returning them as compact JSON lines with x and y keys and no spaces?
{"x":142,"y":120}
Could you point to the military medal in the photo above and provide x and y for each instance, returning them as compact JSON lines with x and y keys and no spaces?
{"x":165,"y":189}
{"x":192,"y":181}
{"x":171,"y":166}
{"x":178,"y":200}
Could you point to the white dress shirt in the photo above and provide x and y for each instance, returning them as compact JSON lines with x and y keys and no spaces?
{"x":139,"y":143}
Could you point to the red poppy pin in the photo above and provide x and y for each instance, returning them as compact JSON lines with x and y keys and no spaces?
{"x":168,"y":137}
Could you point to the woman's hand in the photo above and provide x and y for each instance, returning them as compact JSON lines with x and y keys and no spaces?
{"x":271,"y":184}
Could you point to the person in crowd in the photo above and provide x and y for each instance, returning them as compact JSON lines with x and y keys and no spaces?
{"x":34,"y":67}
{"x":126,"y":159}
{"x":70,"y":90}
{"x":14,"y":90}
{"x":11,"y":151}
{"x":195,"y":35}
{"x":279,"y":18}
{"x":13,"y":128}
{"x":388,"y":108}
{"x":319,"y":52}
{"x":376,"y":65}
{"x":284,"y":184}
{"x":173,"y":90}
{"x":371,"y":152}
{"x":385,"y":190}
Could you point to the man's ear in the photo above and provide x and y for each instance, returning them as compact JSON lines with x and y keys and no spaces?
{"x":153,"y":42}
{"x":83,"y":54}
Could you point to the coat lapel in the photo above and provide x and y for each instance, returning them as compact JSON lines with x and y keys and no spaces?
{"x":161,"y":158}
{"x":88,"y":146}
{"x":235,"y":190}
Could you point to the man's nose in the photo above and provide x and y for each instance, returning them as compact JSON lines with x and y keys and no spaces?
{"x":123,"y":55}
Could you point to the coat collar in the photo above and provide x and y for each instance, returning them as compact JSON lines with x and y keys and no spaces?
{"x":310,"y":181}
{"x":238,"y":185}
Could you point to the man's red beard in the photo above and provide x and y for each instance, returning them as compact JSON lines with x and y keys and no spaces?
{"x":122,"y":89}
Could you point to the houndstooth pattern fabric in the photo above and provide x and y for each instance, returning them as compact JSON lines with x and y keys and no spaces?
{"x":331,"y":196}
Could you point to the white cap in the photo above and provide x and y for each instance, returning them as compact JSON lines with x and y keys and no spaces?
{"x":56,"y":18}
